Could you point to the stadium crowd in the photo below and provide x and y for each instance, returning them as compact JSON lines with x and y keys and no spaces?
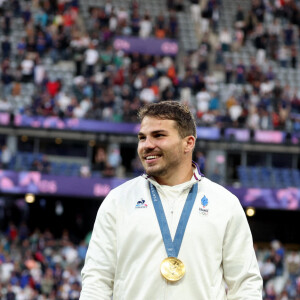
{"x":112,"y":85}
{"x":38,"y":266}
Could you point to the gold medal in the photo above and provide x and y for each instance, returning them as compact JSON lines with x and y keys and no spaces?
{"x":172,"y":269}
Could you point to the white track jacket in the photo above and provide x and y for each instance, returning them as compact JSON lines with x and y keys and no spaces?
{"x":126,"y":247}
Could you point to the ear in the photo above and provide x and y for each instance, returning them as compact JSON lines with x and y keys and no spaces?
{"x":189,"y":144}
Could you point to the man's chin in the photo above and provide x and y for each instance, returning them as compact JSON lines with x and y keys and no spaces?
{"x":154,"y":173}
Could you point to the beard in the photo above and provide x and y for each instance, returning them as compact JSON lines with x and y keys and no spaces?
{"x":156,"y":172}
{"x":164,"y":167}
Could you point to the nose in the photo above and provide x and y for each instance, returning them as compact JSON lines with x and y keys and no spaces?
{"x":148,"y":143}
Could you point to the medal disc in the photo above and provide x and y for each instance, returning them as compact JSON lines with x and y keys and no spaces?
{"x":172,"y":269}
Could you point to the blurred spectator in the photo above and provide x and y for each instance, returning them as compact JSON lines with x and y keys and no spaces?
{"x":85,"y":171}
{"x":16,"y":8}
{"x":270,"y":293}
{"x":36,"y":165}
{"x":39,"y":71}
{"x":195,"y":11}
{"x":173,"y":25}
{"x":47,"y":283}
{"x":109,"y":171}
{"x":40,"y":43}
{"x":293,"y":265}
{"x":203,"y":98}
{"x":78,"y":45}
{"x":160,"y":26}
{"x":114,"y":158}
{"x":239,"y":18}
{"x":7,"y":80}
{"x":267,"y":270}
{"x":145,"y":26}
{"x":53,"y":87}
{"x":10,"y":294}
{"x":12,"y":232}
{"x":100,"y":160}
{"x":27,"y":67}
{"x":6,"y":23}
{"x":6,"y":47}
{"x":258,"y":8}
{"x":240,"y":73}
{"x":288,"y":35}
{"x":6,"y":156}
{"x":294,"y":57}
{"x":26,"y":14}
{"x":81,"y":109}
{"x":283,"y":56}
{"x":41,"y":18}
{"x":74,"y":292}
{"x":45,"y":165}
{"x":91,"y":58}
{"x":135,"y":23}
{"x":278,"y":256}
{"x":238,"y":39}
{"x":225,"y":38}
{"x":229,"y":70}
{"x":21,"y":50}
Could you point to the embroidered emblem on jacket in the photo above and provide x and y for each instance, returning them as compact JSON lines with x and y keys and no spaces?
{"x":141,"y":204}
{"x":202,"y":209}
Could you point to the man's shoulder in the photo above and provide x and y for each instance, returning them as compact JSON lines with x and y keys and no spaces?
{"x":124,"y":193}
{"x":134,"y":183}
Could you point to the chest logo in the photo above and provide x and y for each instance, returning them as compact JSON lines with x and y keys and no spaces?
{"x":203,"y":207}
{"x":141,"y":204}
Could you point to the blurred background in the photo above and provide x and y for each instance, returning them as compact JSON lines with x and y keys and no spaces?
{"x":73,"y":75}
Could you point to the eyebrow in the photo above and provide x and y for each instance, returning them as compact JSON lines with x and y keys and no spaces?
{"x":154,"y":132}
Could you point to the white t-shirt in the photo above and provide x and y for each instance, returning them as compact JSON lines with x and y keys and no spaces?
{"x":39,"y":74}
{"x":145,"y":28}
{"x":203,"y":99}
{"x":27,"y":66}
{"x":91,"y":57}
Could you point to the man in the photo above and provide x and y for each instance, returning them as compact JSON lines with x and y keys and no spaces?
{"x":134,"y":252}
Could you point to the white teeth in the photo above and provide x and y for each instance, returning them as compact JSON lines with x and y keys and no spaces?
{"x":151,"y":157}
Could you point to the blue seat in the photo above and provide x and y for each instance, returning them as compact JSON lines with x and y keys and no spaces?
{"x":54,"y":168}
{"x":13,"y":163}
{"x":254,"y":174}
{"x":73,"y":169}
{"x":243,"y":176}
{"x":24,"y":161}
{"x":286,"y":176}
{"x":295,"y":174}
{"x":266,"y":177}
{"x":63,"y":169}
{"x":278,"y":178}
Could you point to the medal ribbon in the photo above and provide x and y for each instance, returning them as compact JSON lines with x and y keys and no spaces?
{"x":173,"y":247}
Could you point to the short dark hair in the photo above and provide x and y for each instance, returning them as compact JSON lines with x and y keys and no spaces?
{"x":171,"y":110}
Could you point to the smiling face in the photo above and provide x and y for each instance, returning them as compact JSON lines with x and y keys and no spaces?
{"x":164,"y":154}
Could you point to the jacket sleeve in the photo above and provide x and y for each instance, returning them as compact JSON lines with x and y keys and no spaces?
{"x":241,"y":271}
{"x":100,"y":262}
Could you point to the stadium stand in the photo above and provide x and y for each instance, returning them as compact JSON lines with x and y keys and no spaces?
{"x":235,"y":65}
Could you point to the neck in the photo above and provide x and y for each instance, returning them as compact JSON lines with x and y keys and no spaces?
{"x":176,"y":178}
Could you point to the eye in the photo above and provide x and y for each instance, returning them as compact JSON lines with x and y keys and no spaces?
{"x":141,"y":137}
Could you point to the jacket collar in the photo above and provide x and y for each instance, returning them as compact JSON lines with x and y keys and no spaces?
{"x":197,"y":176}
